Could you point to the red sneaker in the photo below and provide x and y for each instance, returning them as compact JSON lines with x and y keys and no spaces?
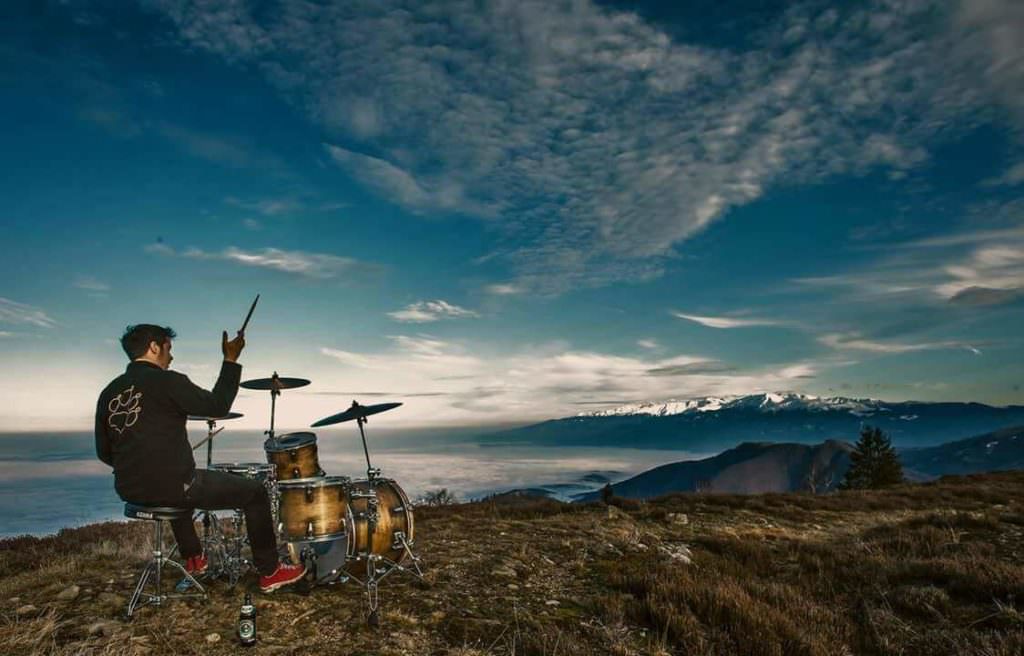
{"x":283,"y":575}
{"x":197,"y":565}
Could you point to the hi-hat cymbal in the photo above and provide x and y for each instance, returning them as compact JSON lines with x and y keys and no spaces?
{"x":355,"y":412}
{"x":230,"y":415}
{"x":276,"y":382}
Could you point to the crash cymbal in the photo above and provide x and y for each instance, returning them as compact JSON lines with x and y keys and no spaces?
{"x":230,"y":415}
{"x":355,"y":412}
{"x":275,"y":382}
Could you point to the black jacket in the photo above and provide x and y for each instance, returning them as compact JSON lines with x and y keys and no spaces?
{"x":140,"y":428}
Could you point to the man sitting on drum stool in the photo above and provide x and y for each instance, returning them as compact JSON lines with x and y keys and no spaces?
{"x":140,"y":432}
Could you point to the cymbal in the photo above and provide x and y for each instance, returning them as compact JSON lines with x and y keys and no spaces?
{"x":276,"y":382}
{"x":356,"y":411}
{"x":230,"y":415}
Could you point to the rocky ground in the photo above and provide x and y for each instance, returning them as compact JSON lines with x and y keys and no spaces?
{"x":922,"y":569}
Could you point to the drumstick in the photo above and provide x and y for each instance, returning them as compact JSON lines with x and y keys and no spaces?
{"x":207,"y":438}
{"x":249,"y":316}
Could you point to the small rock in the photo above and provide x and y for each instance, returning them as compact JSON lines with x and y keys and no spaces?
{"x":614,"y":512}
{"x":678,"y":518}
{"x":504,"y":572}
{"x":102,"y":629}
{"x":552,"y":602}
{"x":212,"y":638}
{"x":679,"y":553}
{"x":69,"y":593}
{"x":25,"y":610}
{"x":14,"y":600}
{"x":513,"y":586}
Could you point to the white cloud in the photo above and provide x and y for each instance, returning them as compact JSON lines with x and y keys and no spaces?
{"x":548,"y":380}
{"x":525,"y":113}
{"x":648,"y":344}
{"x":252,"y":224}
{"x":321,"y":266}
{"x":725,"y":322}
{"x":12,"y":312}
{"x":427,"y":311}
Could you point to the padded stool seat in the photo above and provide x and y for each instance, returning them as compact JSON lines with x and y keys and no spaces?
{"x":157,"y":513}
{"x":154,"y":568}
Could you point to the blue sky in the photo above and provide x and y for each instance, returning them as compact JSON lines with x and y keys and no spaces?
{"x":512,"y":211}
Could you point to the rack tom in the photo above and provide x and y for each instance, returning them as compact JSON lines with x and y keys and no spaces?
{"x":382,"y":523}
{"x":314,"y":509}
{"x":294,"y":455}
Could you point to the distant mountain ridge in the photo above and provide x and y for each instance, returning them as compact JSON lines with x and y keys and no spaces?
{"x":714,"y":423}
{"x":750,"y":468}
{"x":757,"y":467}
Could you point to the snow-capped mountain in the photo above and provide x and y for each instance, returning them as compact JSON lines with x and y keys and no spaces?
{"x":768,"y":402}
{"x":711,"y":424}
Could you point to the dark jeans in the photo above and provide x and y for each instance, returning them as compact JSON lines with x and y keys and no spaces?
{"x":214,"y":490}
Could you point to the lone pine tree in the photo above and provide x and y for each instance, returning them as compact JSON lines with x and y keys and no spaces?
{"x":873,"y":463}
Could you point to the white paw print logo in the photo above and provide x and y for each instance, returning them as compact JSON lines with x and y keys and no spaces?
{"x":124,"y":409}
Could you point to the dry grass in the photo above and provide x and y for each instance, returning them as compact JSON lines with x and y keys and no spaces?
{"x":926,"y":569}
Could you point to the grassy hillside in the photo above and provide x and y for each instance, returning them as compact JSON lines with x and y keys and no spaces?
{"x":922,"y":569}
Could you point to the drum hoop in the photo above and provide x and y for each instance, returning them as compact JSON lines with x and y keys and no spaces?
{"x":315,"y":481}
{"x":319,"y":538}
{"x":259,"y":466}
{"x":276,"y":445}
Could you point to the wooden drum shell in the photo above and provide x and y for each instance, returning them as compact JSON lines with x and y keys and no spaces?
{"x":314,"y":509}
{"x":299,"y":461}
{"x":394,"y":514}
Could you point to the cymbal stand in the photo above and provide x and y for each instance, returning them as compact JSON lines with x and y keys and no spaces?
{"x":378,"y":567}
{"x":275,"y":391}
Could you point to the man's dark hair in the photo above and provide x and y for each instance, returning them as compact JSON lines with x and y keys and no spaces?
{"x":135,"y":340}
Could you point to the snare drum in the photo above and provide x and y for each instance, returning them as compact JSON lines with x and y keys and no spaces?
{"x":314,"y":509}
{"x":259,"y":471}
{"x":294,"y":455}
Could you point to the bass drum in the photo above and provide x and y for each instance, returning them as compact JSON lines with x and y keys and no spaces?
{"x":385,"y":499}
{"x":325,"y":561}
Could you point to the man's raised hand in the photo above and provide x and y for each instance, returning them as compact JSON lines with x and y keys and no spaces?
{"x":233,"y":348}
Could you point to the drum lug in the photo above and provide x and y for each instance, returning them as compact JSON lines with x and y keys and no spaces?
{"x":309,"y":529}
{"x":398,"y":509}
{"x":309,"y":494}
{"x":296,"y":473}
{"x":293,"y":455}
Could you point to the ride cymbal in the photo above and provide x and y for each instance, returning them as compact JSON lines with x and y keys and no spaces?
{"x":275,"y":382}
{"x":355,"y":412}
{"x":230,"y":415}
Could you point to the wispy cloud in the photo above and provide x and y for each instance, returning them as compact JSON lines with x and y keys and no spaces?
{"x":12,"y":312}
{"x":725,"y":322}
{"x":474,"y":382}
{"x":428,"y":311}
{"x":504,"y":289}
{"x":91,"y":284}
{"x":320,"y":266}
{"x":649,"y":344}
{"x":1011,"y":177}
{"x":543,"y":140}
{"x":855,"y":342}
{"x":222,"y":149}
{"x":266,"y":206}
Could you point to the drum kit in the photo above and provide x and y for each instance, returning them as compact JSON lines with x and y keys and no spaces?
{"x":340,"y":528}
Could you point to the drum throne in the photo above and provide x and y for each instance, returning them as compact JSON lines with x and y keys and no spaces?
{"x":154,"y":568}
